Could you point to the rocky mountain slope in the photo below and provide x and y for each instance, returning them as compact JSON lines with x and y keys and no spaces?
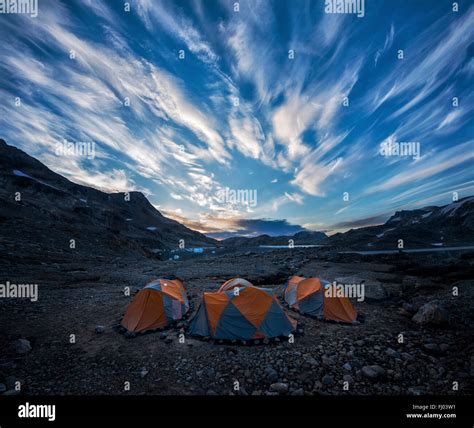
{"x":448,"y":225}
{"x":300,"y":238}
{"x":41,"y":212}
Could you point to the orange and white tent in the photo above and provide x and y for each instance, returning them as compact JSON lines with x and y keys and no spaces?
{"x":310,"y":296}
{"x":158,"y":304}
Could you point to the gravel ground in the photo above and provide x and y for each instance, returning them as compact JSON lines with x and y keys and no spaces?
{"x":327,"y":358}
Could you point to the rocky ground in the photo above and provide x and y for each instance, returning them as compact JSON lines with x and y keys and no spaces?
{"x":416,"y":337}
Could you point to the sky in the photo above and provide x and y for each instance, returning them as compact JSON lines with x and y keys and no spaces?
{"x":248,"y":117}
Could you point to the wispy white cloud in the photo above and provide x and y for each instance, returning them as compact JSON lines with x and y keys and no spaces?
{"x":176,"y":25}
{"x":439,"y":163}
{"x":429,"y":61}
{"x":183,"y":137}
{"x":311,"y":177}
{"x":387,"y":45}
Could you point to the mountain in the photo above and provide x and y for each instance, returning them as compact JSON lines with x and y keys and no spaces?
{"x":448,"y":225}
{"x":52,"y":210}
{"x":300,"y":238}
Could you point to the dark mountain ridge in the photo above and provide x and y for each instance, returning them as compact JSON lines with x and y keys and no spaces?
{"x":52,"y":210}
{"x":432,"y":226}
{"x":300,"y":238}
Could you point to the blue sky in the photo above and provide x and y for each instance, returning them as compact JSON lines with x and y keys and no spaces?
{"x":290,"y":137}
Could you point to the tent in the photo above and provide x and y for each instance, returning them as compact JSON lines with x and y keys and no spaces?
{"x":307,"y":295}
{"x":235,"y":282}
{"x":241,"y":311}
{"x":158,"y":304}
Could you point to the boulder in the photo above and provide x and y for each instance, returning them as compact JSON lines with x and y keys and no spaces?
{"x":373,"y":372}
{"x":22,"y":346}
{"x":410,"y":307}
{"x":373,"y":289}
{"x":431,"y":313}
{"x":271,"y":374}
{"x":279,"y":387}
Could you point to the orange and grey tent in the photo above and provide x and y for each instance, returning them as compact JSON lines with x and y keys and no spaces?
{"x":241,"y":311}
{"x":308,"y":296}
{"x":158,"y":304}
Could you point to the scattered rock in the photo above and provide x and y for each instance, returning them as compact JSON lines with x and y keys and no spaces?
{"x":271,"y":374}
{"x":373,"y":372}
{"x":403,"y":312}
{"x":444,"y":347}
{"x":431,"y":313}
{"x":22,"y":346}
{"x":99,"y":329}
{"x":415,"y":390}
{"x":432,"y":348}
{"x":375,"y":291}
{"x":243,"y":391}
{"x":11,"y":392}
{"x":392,"y":353}
{"x":318,"y":385}
{"x":347,"y":367}
{"x":372,"y":289}
{"x":11,"y":382}
{"x":410,"y":308}
{"x":8,"y":365}
{"x":279,"y":387}
{"x":327,"y":361}
{"x":348,"y":378}
{"x":299,"y":391}
{"x":327,"y":380}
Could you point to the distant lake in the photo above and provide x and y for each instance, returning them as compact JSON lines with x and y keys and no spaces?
{"x":288,"y":247}
{"x":411,"y":250}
